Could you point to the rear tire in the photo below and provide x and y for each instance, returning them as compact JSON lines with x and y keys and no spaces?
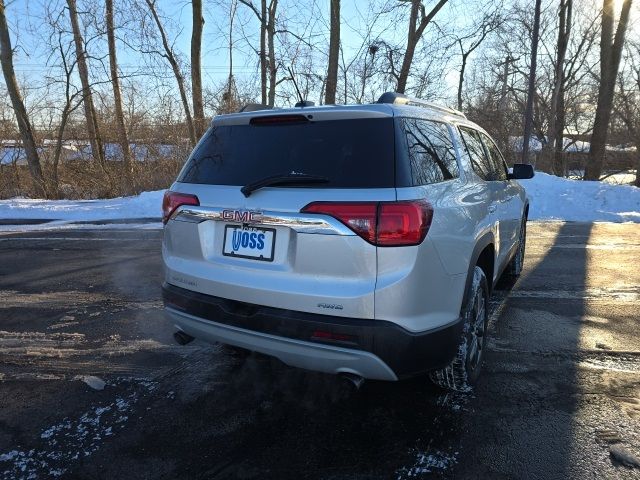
{"x":514,"y":268}
{"x":463,"y":372}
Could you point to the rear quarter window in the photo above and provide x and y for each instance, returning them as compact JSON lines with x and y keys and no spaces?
{"x":480,"y":161}
{"x":431,"y":154}
{"x":497,"y":161}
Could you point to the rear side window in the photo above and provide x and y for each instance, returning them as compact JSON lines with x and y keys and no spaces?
{"x":431,"y":152}
{"x":355,"y":153}
{"x":480,"y":161}
{"x":499,"y":169}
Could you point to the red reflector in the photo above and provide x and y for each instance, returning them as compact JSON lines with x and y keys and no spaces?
{"x":331,"y":336}
{"x":173,"y":200}
{"x":384,"y":224}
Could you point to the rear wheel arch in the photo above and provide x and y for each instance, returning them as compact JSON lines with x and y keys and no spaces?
{"x":483,"y":256}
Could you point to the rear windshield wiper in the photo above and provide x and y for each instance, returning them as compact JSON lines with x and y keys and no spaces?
{"x":293,"y":178}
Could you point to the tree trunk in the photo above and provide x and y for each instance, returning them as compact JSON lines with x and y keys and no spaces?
{"x":171,"y":58}
{"x":89,"y":109}
{"x":24,"y":125}
{"x":411,"y":47}
{"x":461,"y":80}
{"x":334,"y":50}
{"x":117,"y":99}
{"x":271,"y":35}
{"x":559,"y":165}
{"x":58,"y":149}
{"x":564,"y":29}
{"x":610,"y":54}
{"x":263,"y":51}
{"x":196,"y":68}
{"x":230,"y":86}
{"x":265,"y":16}
{"x":528,"y":113}
{"x":414,"y":34}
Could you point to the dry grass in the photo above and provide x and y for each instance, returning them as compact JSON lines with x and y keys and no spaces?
{"x":88,"y":179}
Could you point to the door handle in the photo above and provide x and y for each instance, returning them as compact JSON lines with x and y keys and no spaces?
{"x":492,"y":208}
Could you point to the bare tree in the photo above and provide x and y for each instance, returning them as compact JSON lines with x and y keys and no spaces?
{"x":488,"y":24}
{"x":170,"y":56}
{"x":528,"y":113}
{"x":334,"y":51}
{"x":610,"y":54}
{"x":228,"y":96}
{"x":556,"y":123}
{"x":627,"y":104}
{"x":83,"y":71}
{"x":416,"y":29}
{"x":117,"y":97}
{"x":196,"y":68}
{"x":72,"y":95}
{"x":268,"y":67}
{"x":24,"y":125}
{"x":271,"y":36}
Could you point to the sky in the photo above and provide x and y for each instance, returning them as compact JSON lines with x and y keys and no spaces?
{"x":30,"y":60}
{"x":30,"y":57}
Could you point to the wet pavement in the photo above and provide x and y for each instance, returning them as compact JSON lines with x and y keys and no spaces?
{"x":559,"y":396}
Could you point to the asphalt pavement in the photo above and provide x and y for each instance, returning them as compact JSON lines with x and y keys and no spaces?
{"x":92,"y":385}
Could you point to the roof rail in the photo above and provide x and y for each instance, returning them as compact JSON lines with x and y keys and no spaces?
{"x":396,"y":98}
{"x":254,"y":107}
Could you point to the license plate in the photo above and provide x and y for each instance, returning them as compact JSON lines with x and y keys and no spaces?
{"x":249,"y":242}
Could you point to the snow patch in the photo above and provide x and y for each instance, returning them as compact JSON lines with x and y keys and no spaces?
{"x":556,"y":198}
{"x":427,"y":463}
{"x":551,"y":198}
{"x":94,"y":382}
{"x":69,"y":440}
{"x":69,"y":225}
{"x":145,"y":205}
{"x":624,"y":456}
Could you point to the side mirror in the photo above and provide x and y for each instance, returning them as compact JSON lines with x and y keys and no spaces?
{"x":521,"y":171}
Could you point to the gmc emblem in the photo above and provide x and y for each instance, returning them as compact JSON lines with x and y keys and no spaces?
{"x":242,"y":216}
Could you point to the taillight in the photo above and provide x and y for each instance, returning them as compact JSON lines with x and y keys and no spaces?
{"x":385,"y":224}
{"x":359,"y":217}
{"x":403,"y":223}
{"x":173,"y":200}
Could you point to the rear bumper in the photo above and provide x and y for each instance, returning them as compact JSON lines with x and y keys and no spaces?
{"x":373,"y":349}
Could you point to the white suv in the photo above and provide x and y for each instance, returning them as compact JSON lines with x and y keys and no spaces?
{"x":361,"y":240}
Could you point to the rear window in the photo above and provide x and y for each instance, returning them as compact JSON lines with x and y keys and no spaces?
{"x":350,"y":153}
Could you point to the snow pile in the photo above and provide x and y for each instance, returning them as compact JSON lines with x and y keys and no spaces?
{"x":551,"y":197}
{"x":556,"y":198}
{"x":145,"y":205}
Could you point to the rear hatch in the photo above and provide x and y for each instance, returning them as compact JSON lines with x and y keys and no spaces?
{"x":262,"y":246}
